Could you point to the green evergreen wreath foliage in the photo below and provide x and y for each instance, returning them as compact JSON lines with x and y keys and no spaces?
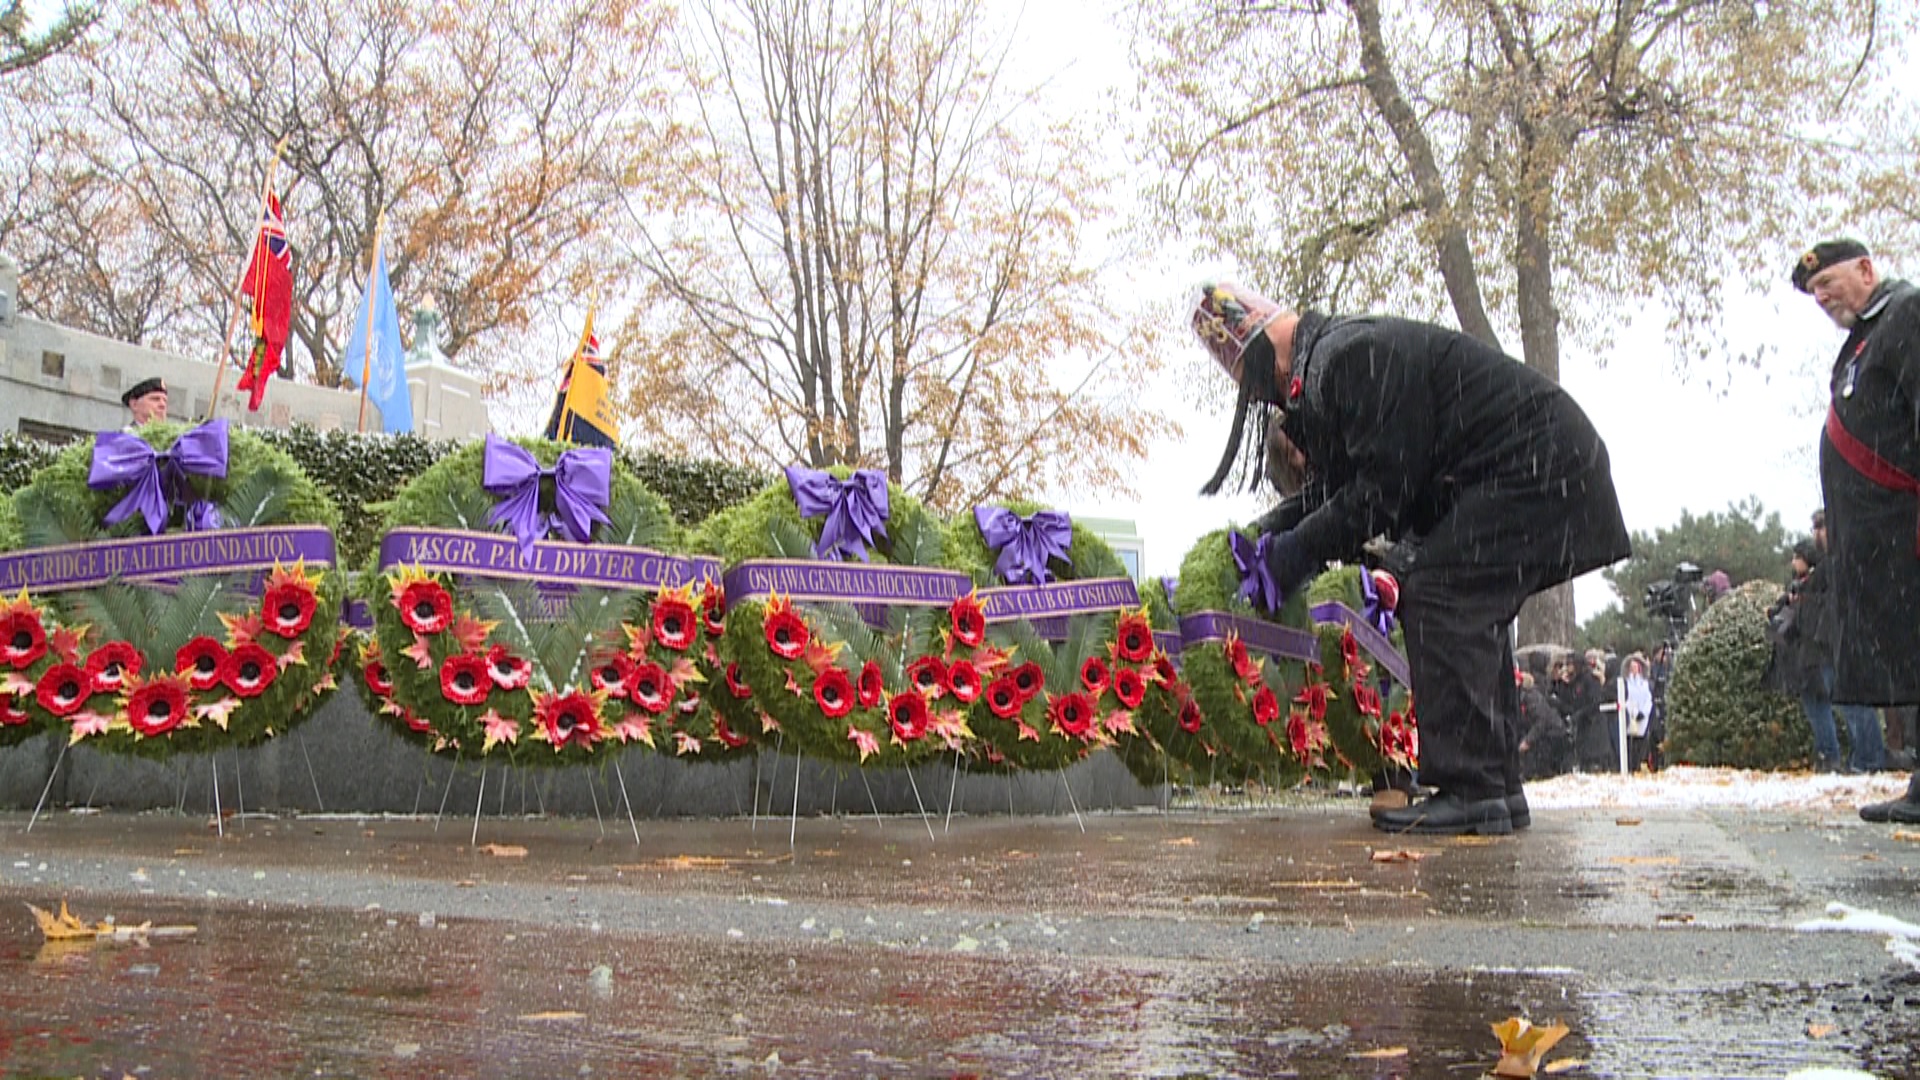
{"x":1369,"y":724}
{"x":495,"y":668}
{"x":844,"y":694}
{"x":1225,"y":686}
{"x":208,"y":663}
{"x":1719,"y":711}
{"x":1082,"y":688}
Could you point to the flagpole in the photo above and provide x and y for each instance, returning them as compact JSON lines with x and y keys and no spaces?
{"x":366,"y":364}
{"x":226,"y":345}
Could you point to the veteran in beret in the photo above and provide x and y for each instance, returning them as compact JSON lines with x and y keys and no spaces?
{"x":1869,"y":462}
{"x":147,"y":401}
{"x":1487,"y":476}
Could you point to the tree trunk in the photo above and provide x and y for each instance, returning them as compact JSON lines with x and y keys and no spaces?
{"x":1549,"y":617}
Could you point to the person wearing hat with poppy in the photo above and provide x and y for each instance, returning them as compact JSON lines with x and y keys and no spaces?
{"x":147,"y":400}
{"x":1869,"y":461}
{"x":1488,"y":478}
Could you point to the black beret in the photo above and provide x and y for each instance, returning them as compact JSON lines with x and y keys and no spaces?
{"x":1822,"y":255}
{"x":142,"y":389}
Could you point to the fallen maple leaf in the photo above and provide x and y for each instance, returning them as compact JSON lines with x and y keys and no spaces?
{"x":1523,"y":1044}
{"x":67,"y":927}
{"x":1401,"y":855}
{"x":1181,"y":841}
{"x":1907,"y":834}
{"x":1820,"y":1031}
{"x":554,"y":1016}
{"x":1626,"y":821}
{"x":504,"y":851}
{"x":1382,"y":1053}
{"x":1554,"y":1068}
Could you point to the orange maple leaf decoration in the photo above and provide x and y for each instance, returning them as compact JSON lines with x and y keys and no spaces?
{"x":293,"y":575}
{"x":471,"y":633}
{"x":65,"y":642}
{"x":868,"y":745}
{"x":242,"y":629}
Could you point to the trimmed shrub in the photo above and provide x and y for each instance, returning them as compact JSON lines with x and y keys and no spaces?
{"x":1718,"y":713}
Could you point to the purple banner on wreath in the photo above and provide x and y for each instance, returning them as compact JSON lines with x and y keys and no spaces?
{"x":1284,"y":642}
{"x":163,"y":558}
{"x":1169,"y":642}
{"x":357,"y":614}
{"x":845,"y":583}
{"x":1059,"y":598}
{"x":1377,"y":644}
{"x":552,"y":563}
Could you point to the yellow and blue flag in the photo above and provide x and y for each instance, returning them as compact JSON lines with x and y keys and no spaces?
{"x":582,"y":410}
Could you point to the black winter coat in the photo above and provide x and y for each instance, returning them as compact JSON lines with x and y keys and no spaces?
{"x":1433,"y":438}
{"x":1873,"y":532}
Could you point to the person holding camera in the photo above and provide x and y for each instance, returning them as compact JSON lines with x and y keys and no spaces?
{"x":1488,"y":477}
{"x":1869,"y":458}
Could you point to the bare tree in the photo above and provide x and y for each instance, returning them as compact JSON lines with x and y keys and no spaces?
{"x":495,"y":138}
{"x":875,"y":258}
{"x":1540,"y":165}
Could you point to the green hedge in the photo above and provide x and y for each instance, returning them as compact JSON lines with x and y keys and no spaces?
{"x":359,"y":471}
{"x":1718,"y":711}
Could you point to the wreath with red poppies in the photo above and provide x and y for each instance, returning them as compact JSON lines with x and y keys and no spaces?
{"x":203,"y":662}
{"x":1246,"y":716}
{"x":533,"y":672}
{"x":1045,"y":704}
{"x":820,"y":677}
{"x":1367,"y":715}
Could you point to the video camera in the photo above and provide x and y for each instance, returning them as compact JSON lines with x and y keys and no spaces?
{"x":1672,"y":599}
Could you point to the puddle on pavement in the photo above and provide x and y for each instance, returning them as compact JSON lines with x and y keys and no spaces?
{"x":280,"y":992}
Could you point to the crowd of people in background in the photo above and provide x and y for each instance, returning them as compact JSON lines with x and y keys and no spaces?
{"x":1575,"y":708}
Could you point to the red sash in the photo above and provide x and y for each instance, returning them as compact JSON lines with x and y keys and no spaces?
{"x":1871,"y":465}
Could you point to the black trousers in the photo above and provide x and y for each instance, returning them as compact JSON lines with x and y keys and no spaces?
{"x":1460,"y":650}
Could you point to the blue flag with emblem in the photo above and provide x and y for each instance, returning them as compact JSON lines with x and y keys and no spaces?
{"x":384,"y":365}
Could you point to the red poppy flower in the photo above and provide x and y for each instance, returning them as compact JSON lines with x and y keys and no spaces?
{"x":1266,"y":707}
{"x":1242,"y":661}
{"x":1095,"y":676}
{"x":416,"y":722}
{"x":1387,"y":589}
{"x":651,"y":688}
{"x":713,"y":611}
{"x":508,"y":672}
{"x":1190,"y":717}
{"x":1349,"y":648}
{"x":786,"y":633}
{"x":1366,"y":700}
{"x":1004,"y":698}
{"x":112,"y":665}
{"x":379,"y":679}
{"x":63,"y":689}
{"x":464,"y":679}
{"x":1314,"y":697}
{"x":12,"y":712}
{"x":1028,"y":679}
{"x":613,"y":675}
{"x":1072,"y":714}
{"x":969,"y":621}
{"x":734,"y":686}
{"x":568,"y":718}
{"x":928,"y":675}
{"x":964,"y":680}
{"x":725,"y":734}
{"x":157,"y":705}
{"x":1133,"y":640}
{"x":873,"y":689}
{"x":288,"y":609}
{"x":22,"y":638}
{"x":200,"y":659}
{"x":1129,"y":687}
{"x":425,"y":607}
{"x":833,"y":692}
{"x":1164,"y":672}
{"x":907,"y":713}
{"x":1304,"y":737}
{"x":673,"y":623}
{"x":249,"y":670}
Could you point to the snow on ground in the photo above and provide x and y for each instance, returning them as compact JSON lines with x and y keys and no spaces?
{"x":1687,"y":787}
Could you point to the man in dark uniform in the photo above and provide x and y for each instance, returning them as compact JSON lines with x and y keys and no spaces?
{"x":1869,"y":459}
{"x":147,"y":401}
{"x":1490,"y":479}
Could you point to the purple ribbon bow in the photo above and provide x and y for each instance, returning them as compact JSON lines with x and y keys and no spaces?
{"x":1377,"y":616}
{"x":1257,"y":585}
{"x":158,"y":478}
{"x":1168,"y":585}
{"x":1025,"y":543}
{"x":855,"y":509}
{"x":582,"y":485}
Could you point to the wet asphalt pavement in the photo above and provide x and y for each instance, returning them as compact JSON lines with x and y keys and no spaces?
{"x":1249,"y":943}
